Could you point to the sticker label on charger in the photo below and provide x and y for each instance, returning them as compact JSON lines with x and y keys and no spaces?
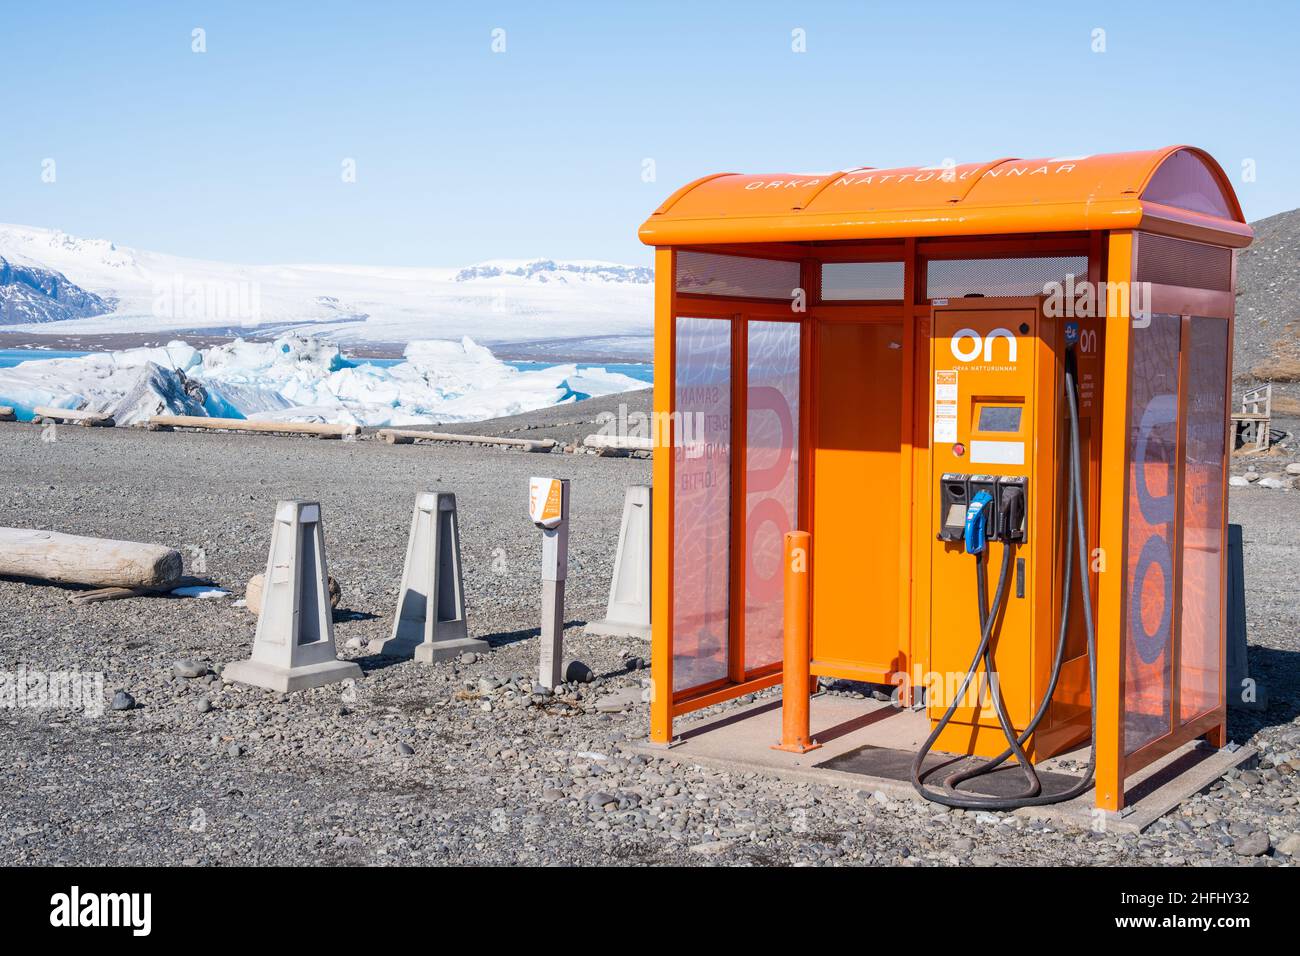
{"x":945,"y":405}
{"x":997,"y":452}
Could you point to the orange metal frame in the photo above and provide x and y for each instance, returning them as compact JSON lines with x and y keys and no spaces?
{"x":739,"y":312}
{"x":1114,"y":764}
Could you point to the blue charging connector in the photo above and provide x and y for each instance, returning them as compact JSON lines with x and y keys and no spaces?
{"x":977,"y":537}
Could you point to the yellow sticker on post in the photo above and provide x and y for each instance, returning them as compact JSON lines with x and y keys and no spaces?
{"x":545,"y":502}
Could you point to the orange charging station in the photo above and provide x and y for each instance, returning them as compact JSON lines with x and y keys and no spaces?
{"x":1015,"y":372}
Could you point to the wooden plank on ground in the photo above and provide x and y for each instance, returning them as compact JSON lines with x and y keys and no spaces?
{"x":74,"y":415}
{"x":618,"y":443}
{"x":405,"y":436}
{"x":74,"y":559}
{"x":319,"y":429}
{"x":99,"y":595}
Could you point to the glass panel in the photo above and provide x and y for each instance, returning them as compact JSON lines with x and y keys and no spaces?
{"x":771,"y":481}
{"x":1149,"y":568}
{"x":999,"y":418}
{"x":862,"y":281}
{"x":702,"y":501}
{"x":1185,"y":181}
{"x":1203,"y":517}
{"x":954,"y":278}
{"x":707,"y":273}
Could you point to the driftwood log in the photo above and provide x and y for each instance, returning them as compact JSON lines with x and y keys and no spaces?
{"x":253,"y":593}
{"x":100,"y":595}
{"x":319,"y":429}
{"x":73,"y":415}
{"x":618,"y":443}
{"x":100,"y":562}
{"x":405,"y":436}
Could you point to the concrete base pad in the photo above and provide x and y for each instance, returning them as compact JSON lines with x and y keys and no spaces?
{"x":742,"y":739}
{"x":608,"y":628}
{"x":430,"y":653}
{"x":290,"y":679}
{"x":427,"y":653}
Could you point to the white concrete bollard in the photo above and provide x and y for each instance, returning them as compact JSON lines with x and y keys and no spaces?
{"x":430,"y":621}
{"x":294,"y":646}
{"x":628,"y":611}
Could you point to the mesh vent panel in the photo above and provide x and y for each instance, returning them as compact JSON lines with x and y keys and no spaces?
{"x":706,"y":273}
{"x":1180,"y":262}
{"x":954,"y":278}
{"x":878,"y":281}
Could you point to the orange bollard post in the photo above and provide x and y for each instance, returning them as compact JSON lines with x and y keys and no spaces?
{"x":796,"y":687}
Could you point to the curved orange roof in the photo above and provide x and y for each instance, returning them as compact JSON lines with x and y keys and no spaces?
{"x":1179,"y":190}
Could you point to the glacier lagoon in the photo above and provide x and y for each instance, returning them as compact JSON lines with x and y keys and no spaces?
{"x":297,"y":378}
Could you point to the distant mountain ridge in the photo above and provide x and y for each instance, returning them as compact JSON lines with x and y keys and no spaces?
{"x":126,"y":290}
{"x":544,"y":270}
{"x":30,"y":294}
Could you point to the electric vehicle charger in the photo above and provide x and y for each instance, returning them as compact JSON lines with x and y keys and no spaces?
{"x":978,"y":521}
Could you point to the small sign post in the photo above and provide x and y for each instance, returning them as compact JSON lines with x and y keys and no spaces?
{"x":548,"y":507}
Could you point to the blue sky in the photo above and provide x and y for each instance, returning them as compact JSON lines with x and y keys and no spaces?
{"x":463,"y":154}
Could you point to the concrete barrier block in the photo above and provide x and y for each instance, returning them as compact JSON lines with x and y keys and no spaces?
{"x":628,"y":611}
{"x":430,"y":623}
{"x":294,"y":646}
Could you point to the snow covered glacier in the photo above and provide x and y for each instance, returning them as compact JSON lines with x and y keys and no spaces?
{"x":497,"y":302}
{"x":302,"y":379}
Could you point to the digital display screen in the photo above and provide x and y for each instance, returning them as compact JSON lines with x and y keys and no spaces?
{"x":1000,"y":418}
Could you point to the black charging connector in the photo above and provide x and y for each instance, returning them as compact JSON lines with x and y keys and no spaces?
{"x":954,"y":496}
{"x":1013,"y":508}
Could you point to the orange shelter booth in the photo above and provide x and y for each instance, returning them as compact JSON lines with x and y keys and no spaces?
{"x":856,"y":354}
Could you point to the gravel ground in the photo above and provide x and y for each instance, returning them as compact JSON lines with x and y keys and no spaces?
{"x":459,"y":762}
{"x":567,"y":424}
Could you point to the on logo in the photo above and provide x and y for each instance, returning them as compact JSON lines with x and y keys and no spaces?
{"x":980,"y":345}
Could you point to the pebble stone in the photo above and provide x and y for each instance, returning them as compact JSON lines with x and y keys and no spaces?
{"x":189,"y":669}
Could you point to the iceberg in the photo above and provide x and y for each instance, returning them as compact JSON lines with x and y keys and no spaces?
{"x":298,"y":378}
